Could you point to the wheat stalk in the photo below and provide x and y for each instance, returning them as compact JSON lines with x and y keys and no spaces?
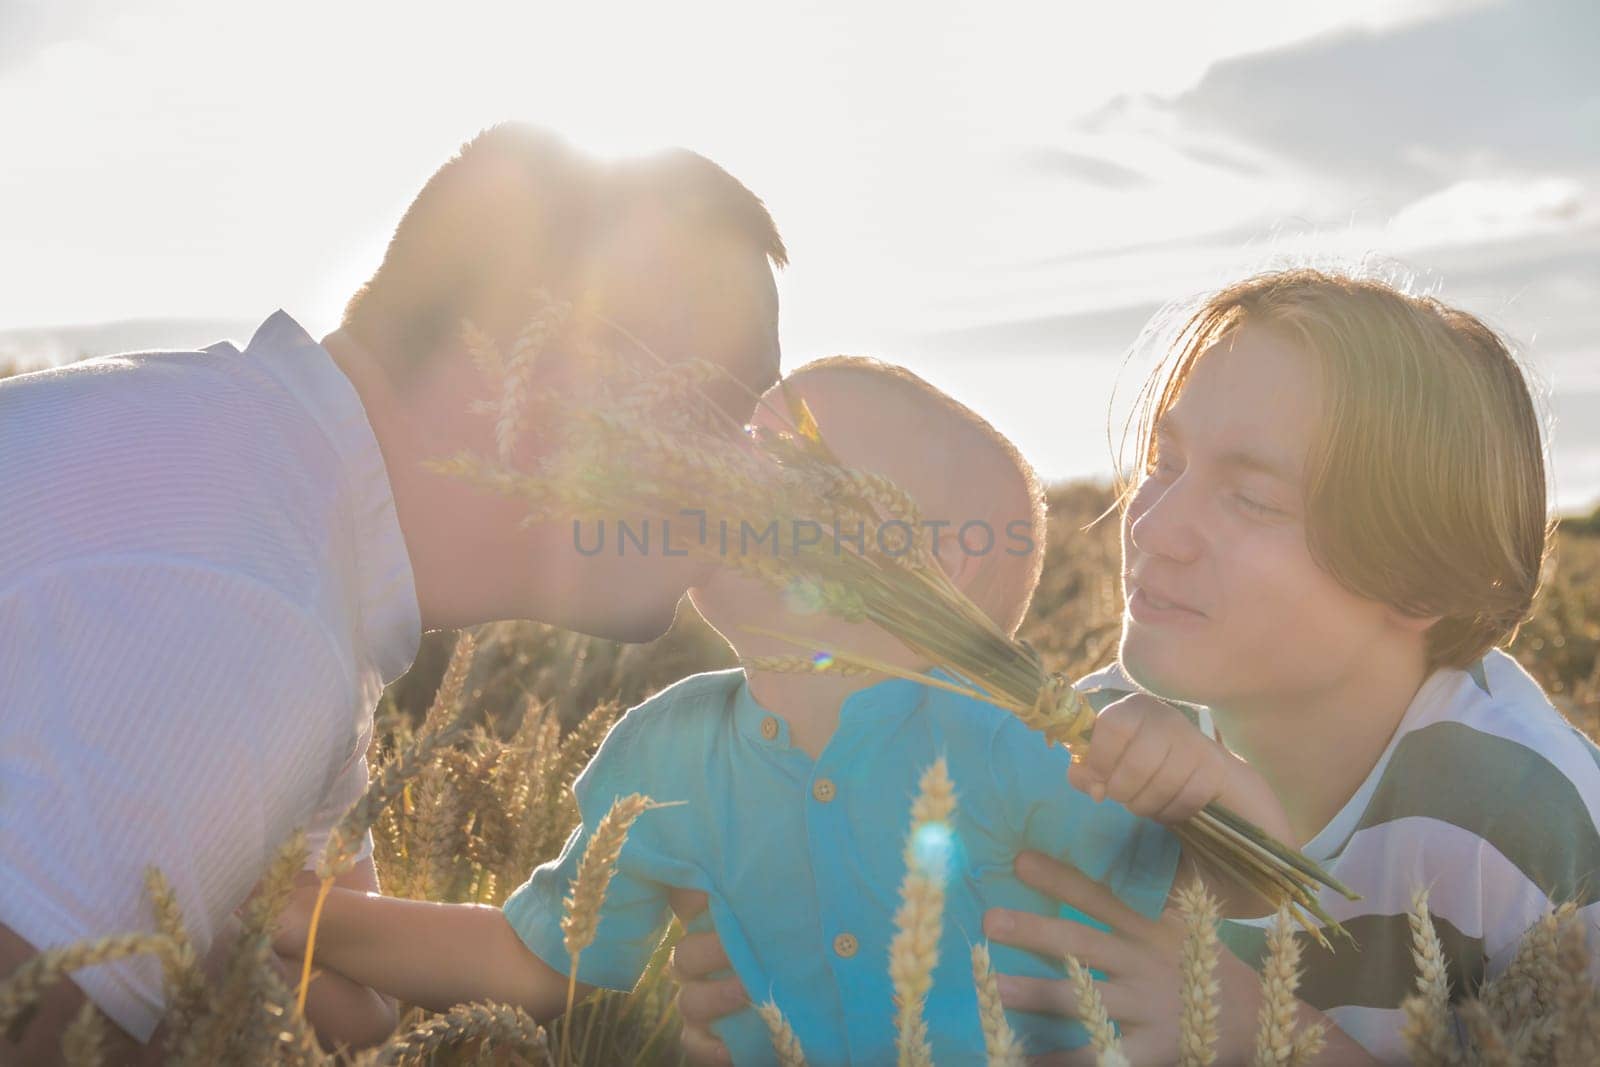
{"x":446,"y":704}
{"x":1428,"y":1031}
{"x":1197,"y":1032}
{"x":580,"y":918}
{"x":999,"y":1041}
{"x":504,"y":1026}
{"x":1277,"y":1043}
{"x":338,"y":856}
{"x":22,"y":988}
{"x":1092,"y":1011}
{"x":1577,"y":1037}
{"x":784,"y":1041}
{"x":914,"y":949}
{"x":83,"y":1043}
{"x":184,"y":981}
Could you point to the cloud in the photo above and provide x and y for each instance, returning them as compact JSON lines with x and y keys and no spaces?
{"x":1512,"y":85}
{"x":28,"y":26}
{"x":1488,"y":209}
{"x":1057,"y":162}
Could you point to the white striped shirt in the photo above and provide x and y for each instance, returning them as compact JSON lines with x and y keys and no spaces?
{"x":1486,"y":795}
{"x":203,"y":591}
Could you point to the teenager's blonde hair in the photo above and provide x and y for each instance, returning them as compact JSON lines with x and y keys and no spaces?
{"x":1004,"y":584}
{"x":1426,"y":476}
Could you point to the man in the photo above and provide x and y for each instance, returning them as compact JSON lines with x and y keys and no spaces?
{"x":211,"y":563}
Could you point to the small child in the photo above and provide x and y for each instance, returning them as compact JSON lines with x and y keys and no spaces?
{"x":798,"y":788}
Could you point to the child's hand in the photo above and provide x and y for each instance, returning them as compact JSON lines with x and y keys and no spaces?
{"x":1150,"y":758}
{"x":294,"y":922}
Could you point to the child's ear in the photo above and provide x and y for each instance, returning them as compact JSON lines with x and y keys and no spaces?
{"x":958,"y":564}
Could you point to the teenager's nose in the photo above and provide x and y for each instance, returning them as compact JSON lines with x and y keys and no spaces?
{"x":1166,"y":522}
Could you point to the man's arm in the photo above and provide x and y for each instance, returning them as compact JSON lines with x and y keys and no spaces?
{"x":432,"y":955}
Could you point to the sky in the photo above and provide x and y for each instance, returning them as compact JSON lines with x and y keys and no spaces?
{"x":997,"y":195}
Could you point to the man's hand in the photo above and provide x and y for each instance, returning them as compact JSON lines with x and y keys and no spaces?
{"x":702,"y":1000}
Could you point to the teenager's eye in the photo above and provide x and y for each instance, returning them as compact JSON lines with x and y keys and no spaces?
{"x":1254,"y":506}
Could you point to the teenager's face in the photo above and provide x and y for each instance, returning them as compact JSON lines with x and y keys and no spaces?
{"x":1219,"y":527}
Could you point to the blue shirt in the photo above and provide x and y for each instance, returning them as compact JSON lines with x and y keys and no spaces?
{"x":802,"y":860}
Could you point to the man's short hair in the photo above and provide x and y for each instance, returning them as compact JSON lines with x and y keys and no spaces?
{"x":517,"y":210}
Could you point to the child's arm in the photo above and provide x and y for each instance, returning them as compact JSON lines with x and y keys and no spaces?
{"x":431,"y":955}
{"x":340,"y":1011}
{"x":1148,"y":756}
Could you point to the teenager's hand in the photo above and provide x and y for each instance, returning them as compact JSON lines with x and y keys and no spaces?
{"x":1147,"y":756}
{"x":702,"y":1000}
{"x":1140,"y":958}
{"x":1141,"y":961}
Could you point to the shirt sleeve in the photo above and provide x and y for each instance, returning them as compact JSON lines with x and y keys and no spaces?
{"x":636,"y":906}
{"x":1136,"y":858}
{"x":349,"y":787}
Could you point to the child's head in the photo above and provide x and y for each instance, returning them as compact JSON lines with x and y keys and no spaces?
{"x":959,"y":470}
{"x":1407,"y":516}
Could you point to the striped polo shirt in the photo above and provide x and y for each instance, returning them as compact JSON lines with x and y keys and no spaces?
{"x":1485,"y":794}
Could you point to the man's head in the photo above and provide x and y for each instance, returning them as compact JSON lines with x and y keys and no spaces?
{"x":1328,"y":467}
{"x":959,"y":470}
{"x":666,"y":253}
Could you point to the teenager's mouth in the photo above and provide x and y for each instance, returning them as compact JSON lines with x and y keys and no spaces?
{"x":1146,"y":608}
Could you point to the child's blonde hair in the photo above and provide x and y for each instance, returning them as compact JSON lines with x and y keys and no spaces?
{"x":1426,"y":478}
{"x":1005,"y":582}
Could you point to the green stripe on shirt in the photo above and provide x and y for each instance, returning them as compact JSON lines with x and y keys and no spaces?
{"x":1500,"y":790}
{"x":1379,"y":974}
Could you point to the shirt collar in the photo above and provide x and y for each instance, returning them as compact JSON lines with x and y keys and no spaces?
{"x":390,"y":617}
{"x":881,"y":703}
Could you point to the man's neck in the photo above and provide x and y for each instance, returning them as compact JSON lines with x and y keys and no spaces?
{"x":1315,"y":747}
{"x":396,"y":433}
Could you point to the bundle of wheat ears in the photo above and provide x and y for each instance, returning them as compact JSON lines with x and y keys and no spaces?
{"x":648,"y":442}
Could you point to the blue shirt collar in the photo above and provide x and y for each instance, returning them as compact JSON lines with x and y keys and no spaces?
{"x":881,"y":703}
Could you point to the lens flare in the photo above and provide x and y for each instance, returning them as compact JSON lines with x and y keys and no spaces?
{"x":933,"y":844}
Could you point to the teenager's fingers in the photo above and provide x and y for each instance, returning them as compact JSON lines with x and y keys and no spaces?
{"x":1055,"y":996}
{"x":1047,"y":996}
{"x":1055,"y":938}
{"x":1077,"y":1057}
{"x":709,"y":1000}
{"x":697,"y":955}
{"x":1071,"y":886}
{"x":703,"y":1048}
{"x":1150,"y":1044}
